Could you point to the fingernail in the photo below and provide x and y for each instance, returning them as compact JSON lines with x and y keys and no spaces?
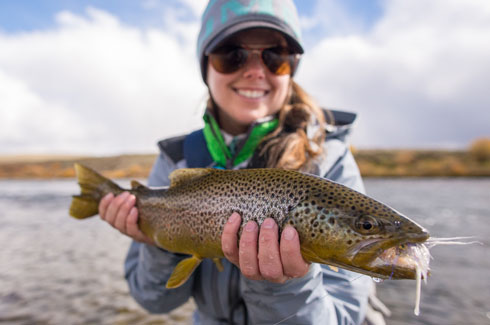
{"x":288,"y":233}
{"x":132,"y":197}
{"x":250,"y":226}
{"x":268,"y":223}
{"x":234,"y":218}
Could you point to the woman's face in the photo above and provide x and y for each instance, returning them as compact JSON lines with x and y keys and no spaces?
{"x":253,"y":92}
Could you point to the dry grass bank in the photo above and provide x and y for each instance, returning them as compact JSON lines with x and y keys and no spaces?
{"x":372,"y":163}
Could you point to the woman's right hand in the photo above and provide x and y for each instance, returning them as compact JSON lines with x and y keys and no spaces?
{"x":121,"y":214}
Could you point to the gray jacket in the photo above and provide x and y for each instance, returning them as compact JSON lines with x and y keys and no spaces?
{"x":322,"y":296}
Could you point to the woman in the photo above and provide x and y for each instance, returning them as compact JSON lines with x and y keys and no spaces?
{"x":256,"y":116}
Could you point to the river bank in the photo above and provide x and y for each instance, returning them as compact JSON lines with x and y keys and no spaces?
{"x":372,"y":163}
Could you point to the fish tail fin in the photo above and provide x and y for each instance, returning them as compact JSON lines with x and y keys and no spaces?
{"x":183,"y":271}
{"x":93,"y":187}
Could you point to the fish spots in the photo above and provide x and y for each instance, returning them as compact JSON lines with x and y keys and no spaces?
{"x":331,"y":221}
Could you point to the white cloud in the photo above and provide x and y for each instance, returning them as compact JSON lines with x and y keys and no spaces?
{"x":93,"y":85}
{"x":197,"y":6}
{"x":419,"y":77}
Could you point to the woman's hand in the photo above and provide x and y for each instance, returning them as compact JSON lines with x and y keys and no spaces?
{"x":121,"y":213}
{"x":265,"y":258}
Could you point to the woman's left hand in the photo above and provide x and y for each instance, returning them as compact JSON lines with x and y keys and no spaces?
{"x":260,"y":255}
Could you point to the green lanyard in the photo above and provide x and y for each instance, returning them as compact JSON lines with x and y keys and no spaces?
{"x":220,"y":152}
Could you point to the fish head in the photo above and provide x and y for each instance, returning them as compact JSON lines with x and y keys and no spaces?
{"x":388,"y":244}
{"x":366,"y":236}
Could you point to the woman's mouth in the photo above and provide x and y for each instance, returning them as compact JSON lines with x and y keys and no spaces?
{"x":251,"y":93}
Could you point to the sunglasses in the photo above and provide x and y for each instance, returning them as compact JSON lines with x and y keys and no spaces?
{"x":278,"y":60}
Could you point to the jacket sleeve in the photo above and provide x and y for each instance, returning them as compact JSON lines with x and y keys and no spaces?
{"x":147,"y":268}
{"x":322,"y":296}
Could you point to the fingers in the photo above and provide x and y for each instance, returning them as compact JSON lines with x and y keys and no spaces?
{"x":260,"y":255}
{"x":104,"y":203}
{"x":229,"y":238}
{"x":121,"y":213}
{"x":113,"y":208}
{"x":247,"y":253}
{"x":133,"y":230}
{"x":293,"y":264}
{"x":269,"y":257}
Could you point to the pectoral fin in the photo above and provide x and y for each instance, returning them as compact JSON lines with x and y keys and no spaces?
{"x":310,"y":256}
{"x":183,"y":271}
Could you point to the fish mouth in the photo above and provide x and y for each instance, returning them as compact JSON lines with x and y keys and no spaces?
{"x":395,"y":258}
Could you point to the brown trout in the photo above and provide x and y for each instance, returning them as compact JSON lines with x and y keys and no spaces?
{"x":337,"y":226}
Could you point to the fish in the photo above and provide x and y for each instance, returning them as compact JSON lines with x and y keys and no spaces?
{"x":337,"y":226}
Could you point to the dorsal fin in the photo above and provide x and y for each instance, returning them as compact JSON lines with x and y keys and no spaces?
{"x":184,"y":175}
{"x":136,"y":184}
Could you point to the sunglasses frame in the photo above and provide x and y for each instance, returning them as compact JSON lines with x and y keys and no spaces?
{"x":292,"y":61}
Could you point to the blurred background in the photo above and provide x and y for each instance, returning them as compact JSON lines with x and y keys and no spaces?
{"x":108,"y":77}
{"x":101,"y":82}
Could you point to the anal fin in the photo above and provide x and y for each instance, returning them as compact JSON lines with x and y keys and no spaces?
{"x":183,"y":271}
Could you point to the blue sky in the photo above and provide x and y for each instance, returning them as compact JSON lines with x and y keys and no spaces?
{"x":26,"y":15}
{"x":76,"y":76}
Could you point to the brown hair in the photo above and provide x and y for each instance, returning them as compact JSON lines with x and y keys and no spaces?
{"x":289,"y":146}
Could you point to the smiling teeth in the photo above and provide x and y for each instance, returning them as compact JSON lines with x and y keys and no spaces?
{"x":251,"y":93}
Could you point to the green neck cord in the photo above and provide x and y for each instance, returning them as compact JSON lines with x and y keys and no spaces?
{"x":219,"y":150}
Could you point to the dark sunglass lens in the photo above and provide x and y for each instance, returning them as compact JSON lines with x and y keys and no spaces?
{"x":228,"y":60}
{"x":278,"y":60}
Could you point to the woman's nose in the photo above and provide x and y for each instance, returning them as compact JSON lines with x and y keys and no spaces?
{"x":254,"y":67}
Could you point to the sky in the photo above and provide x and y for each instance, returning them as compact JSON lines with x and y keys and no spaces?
{"x":115,"y":76}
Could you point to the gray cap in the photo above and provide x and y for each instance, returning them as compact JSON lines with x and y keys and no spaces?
{"x":223,"y":18}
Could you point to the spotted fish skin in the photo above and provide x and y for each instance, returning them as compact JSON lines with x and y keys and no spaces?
{"x":336,"y":225}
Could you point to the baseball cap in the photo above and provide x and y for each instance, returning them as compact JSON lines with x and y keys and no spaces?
{"x":223,"y":18}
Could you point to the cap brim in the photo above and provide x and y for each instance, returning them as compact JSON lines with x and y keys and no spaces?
{"x":225,"y":34}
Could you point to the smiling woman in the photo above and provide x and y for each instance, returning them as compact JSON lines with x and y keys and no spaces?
{"x":256,"y":117}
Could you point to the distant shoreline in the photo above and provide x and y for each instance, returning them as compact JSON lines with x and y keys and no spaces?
{"x":372,"y":163}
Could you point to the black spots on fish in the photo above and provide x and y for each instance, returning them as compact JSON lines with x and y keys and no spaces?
{"x":353,"y":207}
{"x":313,"y":235}
{"x":349,"y":242}
{"x":322,"y":217}
{"x":331,"y":221}
{"x":308,"y":210}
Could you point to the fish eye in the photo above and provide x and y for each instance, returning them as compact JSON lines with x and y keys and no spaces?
{"x":366,"y":224}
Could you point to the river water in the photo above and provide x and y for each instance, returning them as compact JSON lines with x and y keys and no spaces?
{"x":58,"y":270}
